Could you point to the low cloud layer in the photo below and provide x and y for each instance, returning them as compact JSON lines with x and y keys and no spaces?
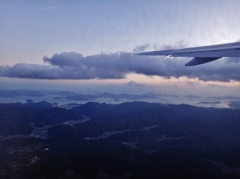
{"x":71,"y":65}
{"x":234,"y":104}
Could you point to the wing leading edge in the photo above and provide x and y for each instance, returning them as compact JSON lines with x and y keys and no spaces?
{"x":202,"y":54}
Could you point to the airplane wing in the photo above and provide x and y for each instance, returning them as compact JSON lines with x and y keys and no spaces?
{"x":202,"y":54}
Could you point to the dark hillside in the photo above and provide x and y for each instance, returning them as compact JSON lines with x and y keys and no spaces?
{"x":129,"y":140}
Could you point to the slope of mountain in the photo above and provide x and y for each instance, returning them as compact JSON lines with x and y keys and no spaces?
{"x":129,"y":140}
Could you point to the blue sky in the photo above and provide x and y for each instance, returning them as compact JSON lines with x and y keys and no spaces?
{"x":97,"y":29}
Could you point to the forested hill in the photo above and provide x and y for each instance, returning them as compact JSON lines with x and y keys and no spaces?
{"x":128,"y":140}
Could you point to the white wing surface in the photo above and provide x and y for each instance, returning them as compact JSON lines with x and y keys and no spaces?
{"x":202,"y":54}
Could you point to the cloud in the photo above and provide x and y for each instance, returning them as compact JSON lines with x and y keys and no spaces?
{"x":234,"y":104}
{"x":134,"y":84}
{"x":215,"y":86}
{"x":72,"y":65}
{"x":210,"y":102}
{"x":224,"y":97}
{"x":191,"y":83}
{"x":178,"y":45}
{"x":141,"y":48}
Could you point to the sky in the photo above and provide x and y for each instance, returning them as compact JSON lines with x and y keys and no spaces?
{"x":88,"y":45}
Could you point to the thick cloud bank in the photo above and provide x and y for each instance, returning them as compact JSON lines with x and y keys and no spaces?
{"x":71,"y":65}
